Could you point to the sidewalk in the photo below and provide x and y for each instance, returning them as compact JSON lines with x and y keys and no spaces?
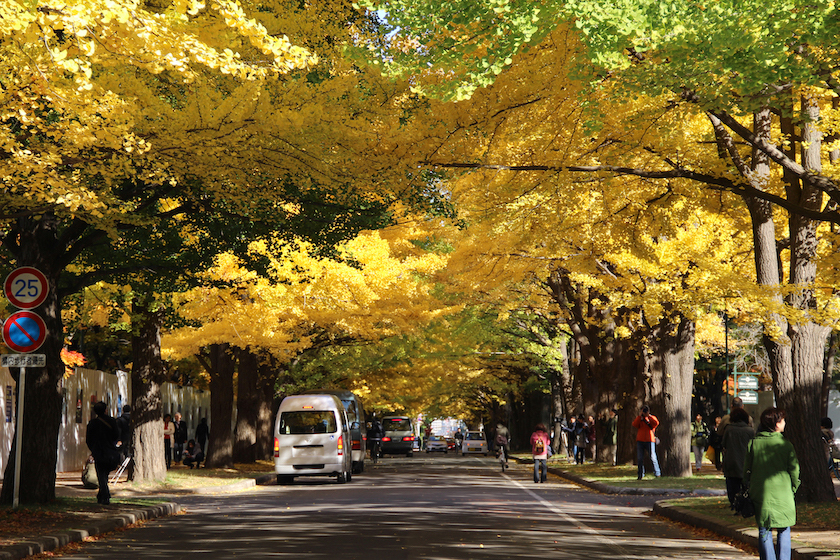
{"x":808,"y":545}
{"x":129,"y":506}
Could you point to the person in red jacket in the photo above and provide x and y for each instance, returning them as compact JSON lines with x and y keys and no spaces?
{"x":645,"y":425}
{"x":539,"y":450}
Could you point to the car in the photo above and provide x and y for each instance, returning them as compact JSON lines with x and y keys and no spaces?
{"x":311,"y":438}
{"x":474,"y":442}
{"x":451,"y":444}
{"x":436,"y":443}
{"x":356,"y":415}
{"x":399,"y":437}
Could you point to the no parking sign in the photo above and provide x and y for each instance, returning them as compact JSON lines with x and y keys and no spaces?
{"x":24,"y":331}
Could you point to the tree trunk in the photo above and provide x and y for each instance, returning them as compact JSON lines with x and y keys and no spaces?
{"x":793,"y":349}
{"x":556,"y":380}
{"x":147,"y":375}
{"x":247,"y":408}
{"x":265,"y":413}
{"x":671,"y":364}
{"x":220,"y":362}
{"x":828,"y":371}
{"x":38,"y":246}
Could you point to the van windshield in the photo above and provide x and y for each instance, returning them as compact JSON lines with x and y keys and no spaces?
{"x":308,"y":422}
{"x":397,"y":425}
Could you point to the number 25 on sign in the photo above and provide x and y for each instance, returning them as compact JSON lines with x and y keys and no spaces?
{"x":26,"y":287}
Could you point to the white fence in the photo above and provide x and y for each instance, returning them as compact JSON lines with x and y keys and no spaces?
{"x":79,"y":392}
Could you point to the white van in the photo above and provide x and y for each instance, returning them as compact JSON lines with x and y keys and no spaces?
{"x":312,"y":438}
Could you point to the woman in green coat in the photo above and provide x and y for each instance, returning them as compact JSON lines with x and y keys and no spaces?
{"x":773,"y":473}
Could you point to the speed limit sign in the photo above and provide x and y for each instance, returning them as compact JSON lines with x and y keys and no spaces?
{"x":26,"y":287}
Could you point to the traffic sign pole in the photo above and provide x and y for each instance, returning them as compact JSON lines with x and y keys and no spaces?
{"x":26,"y":288}
{"x":19,"y":437}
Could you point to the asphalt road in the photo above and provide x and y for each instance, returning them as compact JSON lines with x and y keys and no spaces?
{"x":437,"y":507}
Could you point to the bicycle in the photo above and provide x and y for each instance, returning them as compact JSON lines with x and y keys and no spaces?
{"x":375,"y":450}
{"x":501,"y":454}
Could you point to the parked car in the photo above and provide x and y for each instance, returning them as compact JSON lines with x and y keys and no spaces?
{"x":399,"y":437}
{"x":474,"y":442}
{"x":436,"y":443}
{"x":451,"y":444}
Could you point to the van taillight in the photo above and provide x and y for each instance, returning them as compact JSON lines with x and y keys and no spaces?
{"x":341,"y":445}
{"x":276,"y":447}
{"x":408,"y":438}
{"x":357,"y":444}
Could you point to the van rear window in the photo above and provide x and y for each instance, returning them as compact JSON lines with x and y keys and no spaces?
{"x":308,"y":422}
{"x":397,"y":425}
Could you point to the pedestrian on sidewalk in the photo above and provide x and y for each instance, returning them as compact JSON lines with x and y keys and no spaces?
{"x":581,"y":430}
{"x":736,"y":441}
{"x":101,"y":438}
{"x":168,"y":433}
{"x":569,"y":430}
{"x":610,"y":439}
{"x":590,"y":437}
{"x":699,"y":440}
{"x":773,"y":473}
{"x":126,"y":442}
{"x":539,"y":450}
{"x":645,"y":424}
{"x":179,"y":437}
{"x":202,"y":434}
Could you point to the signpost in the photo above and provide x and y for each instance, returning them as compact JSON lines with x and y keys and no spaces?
{"x":24,"y":332}
{"x":26,"y":287}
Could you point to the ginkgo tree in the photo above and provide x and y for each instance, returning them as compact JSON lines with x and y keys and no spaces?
{"x":71,"y":144}
{"x":731,"y":63}
{"x":373,"y":288}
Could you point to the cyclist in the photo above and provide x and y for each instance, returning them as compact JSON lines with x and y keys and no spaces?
{"x":374,"y":437}
{"x":502,"y":436}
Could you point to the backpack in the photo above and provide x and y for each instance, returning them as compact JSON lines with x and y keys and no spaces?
{"x":539,"y":447}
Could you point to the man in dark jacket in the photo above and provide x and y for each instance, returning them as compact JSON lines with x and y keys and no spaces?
{"x":180,"y":437}
{"x":101,"y":437}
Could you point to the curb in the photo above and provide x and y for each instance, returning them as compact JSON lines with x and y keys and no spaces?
{"x":118,"y":519}
{"x":674,"y":512}
{"x":747,"y":536}
{"x":47,"y":543}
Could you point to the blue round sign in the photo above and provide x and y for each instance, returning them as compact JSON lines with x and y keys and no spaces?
{"x":24,"y":331}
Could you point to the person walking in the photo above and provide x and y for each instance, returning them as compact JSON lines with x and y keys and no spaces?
{"x":581,"y":431}
{"x":179,"y":437}
{"x":590,"y":437}
{"x":539,"y":450}
{"x":645,"y":424}
{"x":772,"y":469}
{"x":168,"y":431}
{"x":827,"y":434}
{"x":101,"y":438}
{"x":699,"y":440}
{"x":202,"y":434}
{"x":610,"y":439}
{"x":736,"y":441}
{"x":126,"y":441}
{"x":569,"y":430}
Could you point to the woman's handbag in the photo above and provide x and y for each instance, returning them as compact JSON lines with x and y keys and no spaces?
{"x":742,"y":504}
